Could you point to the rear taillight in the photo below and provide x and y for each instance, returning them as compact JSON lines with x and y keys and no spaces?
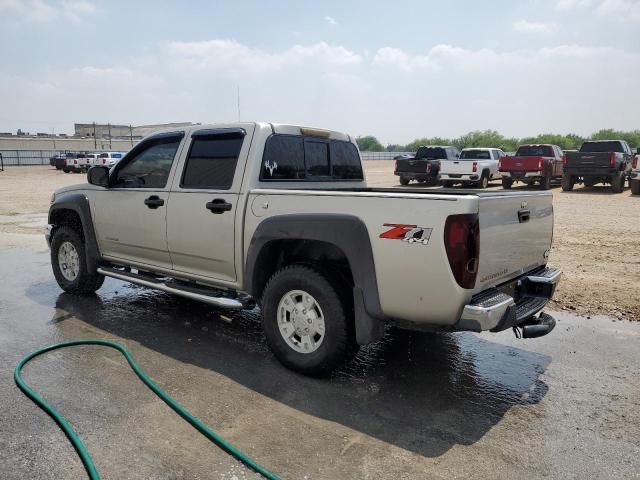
{"x":475,"y":167}
{"x":499,"y":164}
{"x":539,"y":164}
{"x":634,"y":163}
{"x":564,"y":159}
{"x":75,"y":162}
{"x":612,"y":159}
{"x":396,"y":165}
{"x":462,"y":243}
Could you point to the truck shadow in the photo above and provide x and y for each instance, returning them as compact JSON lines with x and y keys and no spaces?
{"x":422,"y":392}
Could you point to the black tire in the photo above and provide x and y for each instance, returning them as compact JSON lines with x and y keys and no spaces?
{"x":507,"y":183}
{"x":86,"y":281}
{"x":422,"y":180}
{"x":545,"y":182}
{"x":431,"y":182}
{"x":635,"y":187}
{"x":567,"y":183}
{"x":66,"y":170}
{"x":447,"y":183}
{"x":617,"y":182}
{"x":338,"y":344}
{"x":483,"y":182}
{"x":404,"y":181}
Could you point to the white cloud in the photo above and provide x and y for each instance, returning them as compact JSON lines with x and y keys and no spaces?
{"x":237,"y":58}
{"x":43,"y":11}
{"x":526,"y":26}
{"x":623,"y":10}
{"x":330,"y":20}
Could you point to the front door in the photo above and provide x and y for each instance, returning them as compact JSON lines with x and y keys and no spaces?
{"x":204,"y":203}
{"x":130,"y":216}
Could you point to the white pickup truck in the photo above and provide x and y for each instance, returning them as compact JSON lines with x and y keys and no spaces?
{"x":281,"y":215}
{"x":476,"y":166}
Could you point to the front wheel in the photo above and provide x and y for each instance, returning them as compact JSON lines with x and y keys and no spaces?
{"x":308,"y":325}
{"x":69,"y":263}
{"x":507,"y":183}
{"x":567,"y":183}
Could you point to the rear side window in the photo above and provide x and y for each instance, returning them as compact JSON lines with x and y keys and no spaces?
{"x":534,"y":151}
{"x":212,"y":161}
{"x":291,"y":157}
{"x":596,"y":147}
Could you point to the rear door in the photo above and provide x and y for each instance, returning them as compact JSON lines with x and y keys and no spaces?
{"x":204,"y":203}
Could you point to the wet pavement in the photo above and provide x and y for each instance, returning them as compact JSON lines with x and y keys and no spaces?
{"x":413,"y":405}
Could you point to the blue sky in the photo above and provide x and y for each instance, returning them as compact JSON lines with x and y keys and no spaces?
{"x":397,"y":70}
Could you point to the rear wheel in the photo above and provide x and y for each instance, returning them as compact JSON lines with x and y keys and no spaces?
{"x":545,"y":182}
{"x":568,"y":182}
{"x":635,"y":187}
{"x":447,"y":183}
{"x":507,"y":183}
{"x":404,"y":181}
{"x":484,"y":181}
{"x":617,"y":182}
{"x":69,"y":263}
{"x":308,"y":324}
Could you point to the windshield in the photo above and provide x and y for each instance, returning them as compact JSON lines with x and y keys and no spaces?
{"x":612,"y":146}
{"x":475,"y":155}
{"x":431,"y":152}
{"x":534,"y":151}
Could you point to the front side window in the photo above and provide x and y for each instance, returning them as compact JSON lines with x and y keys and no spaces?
{"x":149,"y":167}
{"x":212,"y":161}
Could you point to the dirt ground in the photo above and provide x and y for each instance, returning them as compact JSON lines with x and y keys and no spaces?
{"x":595,"y":238}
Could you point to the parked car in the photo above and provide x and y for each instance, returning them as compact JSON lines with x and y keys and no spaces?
{"x":475,"y":166}
{"x":77,"y":164}
{"x":108,"y":159}
{"x":424,"y":166}
{"x":598,"y":161}
{"x":92,"y":158}
{"x":281,"y":215}
{"x":59,"y":160}
{"x":532,"y":163}
{"x":634,"y":176}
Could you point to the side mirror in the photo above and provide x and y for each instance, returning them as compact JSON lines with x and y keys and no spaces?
{"x":98,"y":176}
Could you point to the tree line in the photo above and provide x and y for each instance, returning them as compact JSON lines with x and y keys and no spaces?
{"x":492,"y":138}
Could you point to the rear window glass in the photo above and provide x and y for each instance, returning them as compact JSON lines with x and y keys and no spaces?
{"x":535,"y":151}
{"x":602,"y":147}
{"x":212,"y":162}
{"x":431,"y":152}
{"x":292,"y":157}
{"x":116,"y":155}
{"x":475,"y":154}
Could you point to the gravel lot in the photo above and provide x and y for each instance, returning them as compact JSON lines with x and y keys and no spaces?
{"x":595,"y":238}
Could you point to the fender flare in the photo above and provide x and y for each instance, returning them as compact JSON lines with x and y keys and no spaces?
{"x":79,"y":203}
{"x":346,"y":232}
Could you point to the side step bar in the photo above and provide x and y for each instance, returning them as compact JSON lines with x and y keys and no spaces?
{"x":159,"y":284}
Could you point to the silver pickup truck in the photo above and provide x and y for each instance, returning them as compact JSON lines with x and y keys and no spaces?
{"x":281,"y":215}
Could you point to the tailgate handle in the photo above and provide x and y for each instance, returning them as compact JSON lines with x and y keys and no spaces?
{"x":524,"y":214}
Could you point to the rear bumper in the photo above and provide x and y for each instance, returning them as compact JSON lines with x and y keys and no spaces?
{"x":590,"y":171}
{"x":455,"y":177}
{"x":417,"y":175}
{"x":497,"y":309}
{"x":517,"y":175}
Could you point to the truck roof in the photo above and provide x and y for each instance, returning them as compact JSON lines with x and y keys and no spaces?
{"x":281,"y":128}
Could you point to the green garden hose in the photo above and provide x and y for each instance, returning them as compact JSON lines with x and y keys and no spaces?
{"x":179,"y":409}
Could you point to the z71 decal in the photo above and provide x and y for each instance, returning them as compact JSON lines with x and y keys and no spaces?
{"x":407,"y":233}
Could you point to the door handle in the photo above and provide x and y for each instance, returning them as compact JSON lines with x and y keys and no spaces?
{"x":153,"y":202}
{"x":218,"y":205}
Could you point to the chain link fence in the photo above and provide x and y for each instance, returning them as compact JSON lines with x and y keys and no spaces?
{"x":27,"y":157}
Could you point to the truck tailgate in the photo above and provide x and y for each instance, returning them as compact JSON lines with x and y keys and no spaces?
{"x":412,"y":165}
{"x":521,"y":164}
{"x":455,"y":167}
{"x":515,"y":235}
{"x":588,"y":160}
